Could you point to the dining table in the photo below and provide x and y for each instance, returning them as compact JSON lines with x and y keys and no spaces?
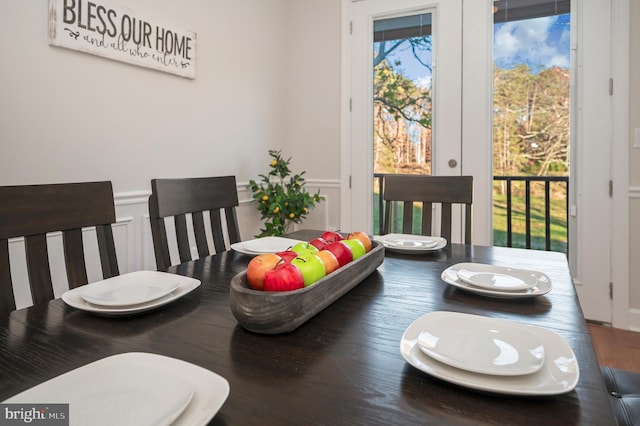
{"x":344,"y":365}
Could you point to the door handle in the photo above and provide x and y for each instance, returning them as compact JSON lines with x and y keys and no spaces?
{"x":453,"y":163}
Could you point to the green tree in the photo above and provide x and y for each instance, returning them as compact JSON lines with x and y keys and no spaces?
{"x":531,"y":121}
{"x":402,"y":115}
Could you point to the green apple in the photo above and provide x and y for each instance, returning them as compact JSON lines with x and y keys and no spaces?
{"x":311,"y":267}
{"x":356,"y":246}
{"x":304,"y":248}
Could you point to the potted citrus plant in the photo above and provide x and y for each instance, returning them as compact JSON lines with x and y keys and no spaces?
{"x":281,"y":197}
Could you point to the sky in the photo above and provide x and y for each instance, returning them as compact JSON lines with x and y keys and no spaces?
{"x":540,"y":43}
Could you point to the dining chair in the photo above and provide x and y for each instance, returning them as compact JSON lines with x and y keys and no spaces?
{"x":33,"y":211}
{"x":192,"y":196}
{"x":428,"y":190}
{"x":624,"y":394}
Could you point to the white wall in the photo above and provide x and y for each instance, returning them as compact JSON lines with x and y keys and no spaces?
{"x":70,"y":116}
{"x":312,"y":104}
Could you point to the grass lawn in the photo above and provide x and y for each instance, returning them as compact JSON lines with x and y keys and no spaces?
{"x":558,"y":222}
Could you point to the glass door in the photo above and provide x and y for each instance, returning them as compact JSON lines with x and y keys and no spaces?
{"x":405,"y":105}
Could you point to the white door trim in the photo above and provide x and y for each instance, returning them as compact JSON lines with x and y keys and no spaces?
{"x":345,"y":113}
{"x":620,"y":164}
{"x":477,"y":132}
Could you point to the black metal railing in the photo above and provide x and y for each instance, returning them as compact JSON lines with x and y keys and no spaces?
{"x":563,"y":181}
{"x":528,"y":180}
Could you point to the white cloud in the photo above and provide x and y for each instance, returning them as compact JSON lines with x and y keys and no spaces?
{"x":530,"y":41}
{"x":423,"y":82}
{"x":558,"y":61}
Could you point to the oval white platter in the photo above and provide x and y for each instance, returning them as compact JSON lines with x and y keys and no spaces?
{"x":130,"y":289}
{"x":482,"y":345}
{"x":264,"y":245}
{"x":495,"y":277}
{"x":543,"y":286}
{"x":559,"y":373}
{"x":184,"y":286}
{"x":411,"y":244}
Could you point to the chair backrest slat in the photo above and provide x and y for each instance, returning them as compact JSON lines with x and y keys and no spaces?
{"x":427,"y":216}
{"x":74,"y":257}
{"x":216,"y":228}
{"x":407,"y":217}
{"x":38,"y":268}
{"x":33,"y":211}
{"x":443,"y":190}
{"x":200,"y":234}
{"x":107,"y":249}
{"x":231,"y":217}
{"x":182,"y":235}
{"x":7,"y":298}
{"x":192,"y":196}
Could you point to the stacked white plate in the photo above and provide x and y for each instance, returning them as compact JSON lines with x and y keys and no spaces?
{"x":497,"y":281}
{"x":411,"y":244}
{"x":134,"y":389}
{"x":264,"y":245}
{"x":130,"y":293}
{"x":490,"y":354}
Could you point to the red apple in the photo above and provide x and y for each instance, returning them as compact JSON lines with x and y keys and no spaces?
{"x":319,"y":243}
{"x":287,"y":255}
{"x":285,"y":277}
{"x":331,"y":236}
{"x":364,"y":239}
{"x":341,"y":251}
{"x":258,"y":267}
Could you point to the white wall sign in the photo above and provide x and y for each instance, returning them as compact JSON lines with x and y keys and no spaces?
{"x":102,"y":28}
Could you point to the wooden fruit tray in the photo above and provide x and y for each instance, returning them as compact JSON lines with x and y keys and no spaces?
{"x":272,"y":312}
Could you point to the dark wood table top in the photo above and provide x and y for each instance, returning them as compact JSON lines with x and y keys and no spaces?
{"x":342,"y":367}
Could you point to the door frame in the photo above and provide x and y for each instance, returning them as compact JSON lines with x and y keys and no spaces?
{"x":476,"y":132}
{"x":620,"y":164}
{"x":585,"y":251}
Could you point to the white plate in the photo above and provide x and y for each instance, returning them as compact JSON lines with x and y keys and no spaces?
{"x":264,"y":245}
{"x":558,"y":375}
{"x":129,"y":289}
{"x":408,"y":243}
{"x":450,"y":276}
{"x":497,"y":277}
{"x":185,"y":285}
{"x":481,"y":344}
{"x":134,"y":389}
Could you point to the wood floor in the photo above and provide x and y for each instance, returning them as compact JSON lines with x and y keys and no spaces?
{"x":616,"y":348}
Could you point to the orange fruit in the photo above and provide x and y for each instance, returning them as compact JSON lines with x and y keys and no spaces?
{"x":363,"y":237}
{"x":329,"y":260}
{"x":258,"y":268}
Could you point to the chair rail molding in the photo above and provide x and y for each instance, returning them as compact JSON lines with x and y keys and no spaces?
{"x":128,"y":198}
